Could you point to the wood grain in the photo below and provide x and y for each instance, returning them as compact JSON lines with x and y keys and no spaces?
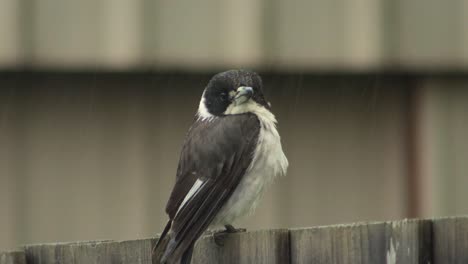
{"x":266,"y":246}
{"x":100,"y":252}
{"x":450,"y":240}
{"x":442,"y":240}
{"x":12,"y":257}
{"x":407,"y":241}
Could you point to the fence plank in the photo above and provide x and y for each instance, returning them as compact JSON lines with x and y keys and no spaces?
{"x":407,"y":241}
{"x":265,"y":246}
{"x":12,"y":257}
{"x":268,"y":246}
{"x":450,"y":240}
{"x":102,"y":252}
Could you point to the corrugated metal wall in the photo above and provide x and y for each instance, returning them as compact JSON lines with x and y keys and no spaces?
{"x":93,"y":156}
{"x":295,"y":34}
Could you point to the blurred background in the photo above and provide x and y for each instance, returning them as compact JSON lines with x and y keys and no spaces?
{"x":96,"y":97}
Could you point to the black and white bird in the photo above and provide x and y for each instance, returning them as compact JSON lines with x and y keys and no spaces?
{"x":231,"y":153}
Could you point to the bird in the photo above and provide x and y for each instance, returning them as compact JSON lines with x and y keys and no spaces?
{"x":230,"y":154}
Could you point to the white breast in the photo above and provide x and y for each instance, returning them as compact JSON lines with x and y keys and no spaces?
{"x":268,"y":163}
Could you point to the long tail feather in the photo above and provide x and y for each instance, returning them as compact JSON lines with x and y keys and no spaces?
{"x":161,"y":245}
{"x":187,"y":257}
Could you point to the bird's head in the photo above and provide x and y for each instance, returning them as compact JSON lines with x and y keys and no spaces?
{"x":232,"y":92}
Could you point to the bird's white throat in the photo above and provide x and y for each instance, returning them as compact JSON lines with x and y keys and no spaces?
{"x":265,"y":116}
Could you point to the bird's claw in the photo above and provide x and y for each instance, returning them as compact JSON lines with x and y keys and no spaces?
{"x":231,"y":229}
{"x":220,"y":236}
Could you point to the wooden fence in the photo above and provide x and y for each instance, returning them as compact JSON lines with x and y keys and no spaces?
{"x":439,"y":241}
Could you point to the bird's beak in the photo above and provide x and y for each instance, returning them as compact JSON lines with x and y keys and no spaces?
{"x":243,"y":94}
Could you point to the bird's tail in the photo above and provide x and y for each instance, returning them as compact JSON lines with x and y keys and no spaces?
{"x":164,"y":247}
{"x":161,"y":245}
{"x":187,"y":256}
{"x":163,"y":251}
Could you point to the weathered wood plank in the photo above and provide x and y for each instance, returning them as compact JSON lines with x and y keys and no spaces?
{"x":407,"y":241}
{"x":265,"y":246}
{"x":269,"y":246}
{"x":101,"y":252}
{"x":12,"y":257}
{"x":450,"y":238}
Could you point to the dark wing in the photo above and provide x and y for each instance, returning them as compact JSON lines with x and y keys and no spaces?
{"x":217,"y":152}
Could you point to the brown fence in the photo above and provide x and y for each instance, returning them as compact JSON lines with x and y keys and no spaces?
{"x":431,"y":241}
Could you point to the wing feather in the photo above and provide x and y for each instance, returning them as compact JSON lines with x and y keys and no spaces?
{"x":217,"y":152}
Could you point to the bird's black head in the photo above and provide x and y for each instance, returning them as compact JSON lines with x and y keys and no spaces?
{"x":232,"y":92}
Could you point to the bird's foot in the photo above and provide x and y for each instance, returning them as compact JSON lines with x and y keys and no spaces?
{"x":232,"y":229}
{"x":220,"y":236}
